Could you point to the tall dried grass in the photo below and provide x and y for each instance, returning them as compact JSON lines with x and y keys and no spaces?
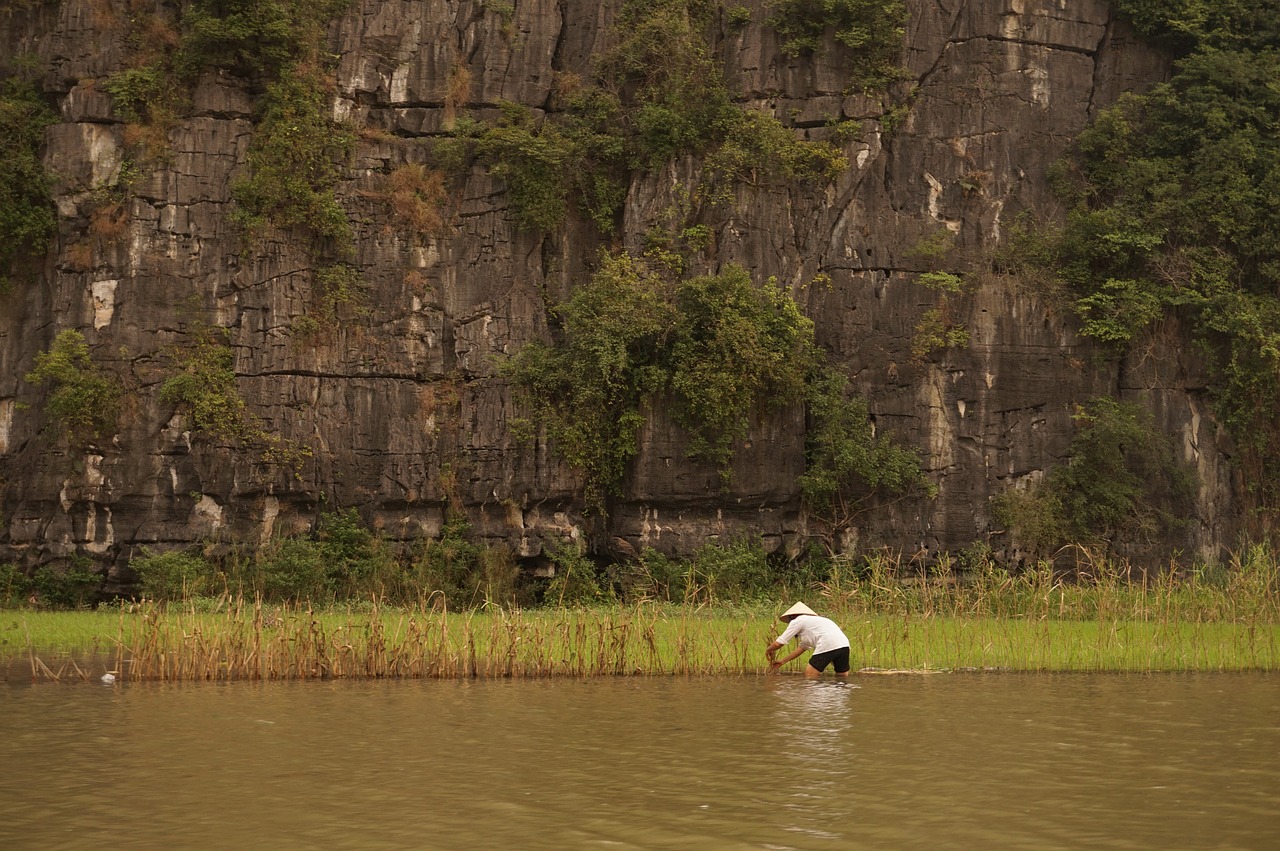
{"x":895,"y":617}
{"x":248,"y":641}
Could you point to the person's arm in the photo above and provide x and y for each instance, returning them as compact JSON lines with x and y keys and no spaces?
{"x":772,"y":650}
{"x":778,"y":643}
{"x":775,"y":664}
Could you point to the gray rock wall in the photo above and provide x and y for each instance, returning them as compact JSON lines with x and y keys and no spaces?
{"x":400,"y":406}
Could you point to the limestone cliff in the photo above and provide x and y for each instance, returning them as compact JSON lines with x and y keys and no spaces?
{"x":399,"y":406}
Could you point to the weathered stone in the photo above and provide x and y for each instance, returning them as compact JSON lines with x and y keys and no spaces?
{"x":400,"y":402}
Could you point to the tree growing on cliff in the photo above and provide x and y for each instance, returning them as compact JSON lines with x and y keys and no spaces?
{"x":1120,"y":485}
{"x":83,"y":403}
{"x":26,"y":208}
{"x":714,"y":350}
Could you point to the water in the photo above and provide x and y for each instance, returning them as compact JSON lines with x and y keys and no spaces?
{"x":967,"y":761}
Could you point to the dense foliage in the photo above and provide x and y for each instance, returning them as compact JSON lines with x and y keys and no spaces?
{"x":870,"y":30}
{"x":83,"y":403}
{"x":26,"y":209}
{"x":1175,"y":200}
{"x":203,"y":381}
{"x":253,"y":37}
{"x":296,"y":158}
{"x":657,"y":94}
{"x":717,"y":349}
{"x":298,"y":151}
{"x":841,"y":446}
{"x":1121,"y":483}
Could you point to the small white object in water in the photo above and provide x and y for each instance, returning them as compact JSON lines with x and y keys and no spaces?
{"x":109,"y":677}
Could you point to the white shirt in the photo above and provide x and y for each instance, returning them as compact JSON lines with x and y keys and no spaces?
{"x":816,"y":632}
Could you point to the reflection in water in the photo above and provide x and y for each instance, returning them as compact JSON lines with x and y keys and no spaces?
{"x":768,"y":762}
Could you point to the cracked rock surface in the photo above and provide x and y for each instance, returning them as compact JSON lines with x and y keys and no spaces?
{"x":400,"y":406}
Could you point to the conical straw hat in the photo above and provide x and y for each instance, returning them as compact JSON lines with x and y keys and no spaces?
{"x":797,"y":609}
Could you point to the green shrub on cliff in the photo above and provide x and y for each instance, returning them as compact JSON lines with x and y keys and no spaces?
{"x":735,"y":348}
{"x":870,"y":30}
{"x":27,"y":218}
{"x":83,"y":402}
{"x":842,"y":448}
{"x":297,"y":155}
{"x":1174,"y":211}
{"x":536,"y":164}
{"x":657,"y":94}
{"x":716,"y":349}
{"x":252,"y":37}
{"x":588,"y":388}
{"x":204,"y":381}
{"x":1121,"y":482}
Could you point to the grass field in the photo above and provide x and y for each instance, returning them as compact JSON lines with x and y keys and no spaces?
{"x":1100,"y":619}
{"x":248,"y":640}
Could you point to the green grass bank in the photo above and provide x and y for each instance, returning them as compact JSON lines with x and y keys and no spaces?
{"x":918,"y":628}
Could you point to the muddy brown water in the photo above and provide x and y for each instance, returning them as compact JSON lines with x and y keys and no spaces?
{"x":960,"y":761}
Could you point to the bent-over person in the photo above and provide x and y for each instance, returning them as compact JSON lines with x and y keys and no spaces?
{"x":813,"y":632}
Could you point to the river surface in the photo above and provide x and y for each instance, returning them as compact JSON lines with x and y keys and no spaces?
{"x":958,"y":760}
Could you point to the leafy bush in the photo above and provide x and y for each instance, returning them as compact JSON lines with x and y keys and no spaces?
{"x":729,"y":572}
{"x":589,"y":387}
{"x":27,"y":218}
{"x":340,"y":559}
{"x":1184,"y":25}
{"x":447,"y":566}
{"x":1121,"y":482}
{"x":135,"y":91}
{"x":338,"y":286}
{"x":15,"y":586}
{"x":657,"y":94}
{"x":83,"y":403}
{"x":755,"y":148}
{"x":719,"y":346}
{"x":576,"y":581}
{"x":579,"y":155}
{"x":174,"y":575}
{"x":458,"y":573}
{"x":251,"y":37}
{"x":652,"y":576}
{"x":69,"y":587}
{"x":871,"y":30}
{"x":294,"y":569}
{"x":533,"y":161}
{"x":296,"y":158}
{"x":846,"y":462}
{"x":733,"y":347}
{"x":205,"y":381}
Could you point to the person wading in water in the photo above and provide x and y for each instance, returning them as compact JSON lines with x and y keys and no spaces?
{"x":816,"y":633}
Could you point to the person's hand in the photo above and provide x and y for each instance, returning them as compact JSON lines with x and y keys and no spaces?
{"x":774,"y":665}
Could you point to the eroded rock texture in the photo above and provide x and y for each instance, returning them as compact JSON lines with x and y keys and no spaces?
{"x":400,"y":405}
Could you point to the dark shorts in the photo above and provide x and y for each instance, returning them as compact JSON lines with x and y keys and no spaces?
{"x":840,"y":658}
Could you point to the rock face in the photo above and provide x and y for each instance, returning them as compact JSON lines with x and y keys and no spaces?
{"x":400,"y":405}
